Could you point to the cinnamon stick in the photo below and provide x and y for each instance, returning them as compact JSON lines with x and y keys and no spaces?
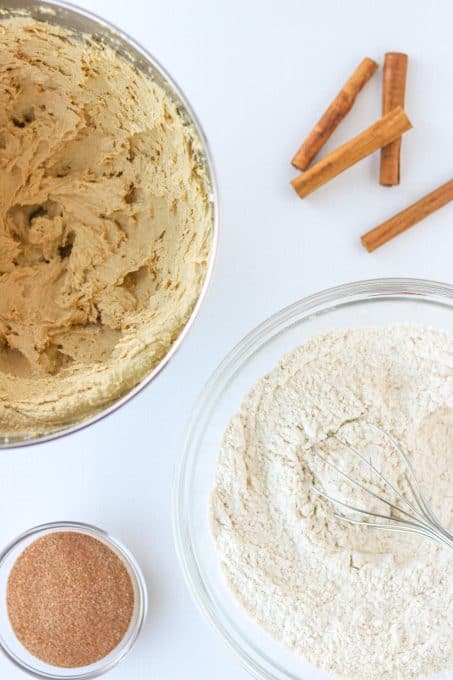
{"x":393,"y":91}
{"x":384,"y":131}
{"x":334,"y":114}
{"x":408,"y":217}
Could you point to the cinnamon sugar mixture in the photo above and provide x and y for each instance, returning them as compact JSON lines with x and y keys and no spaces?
{"x":70,"y":599}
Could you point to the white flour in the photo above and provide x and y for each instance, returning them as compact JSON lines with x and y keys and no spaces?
{"x":357,"y":602}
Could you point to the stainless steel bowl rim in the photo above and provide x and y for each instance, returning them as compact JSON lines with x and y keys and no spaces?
{"x":312,"y":305}
{"x":122,"y":35}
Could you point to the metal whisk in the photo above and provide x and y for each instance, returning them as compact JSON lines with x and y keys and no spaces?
{"x":410,"y":515}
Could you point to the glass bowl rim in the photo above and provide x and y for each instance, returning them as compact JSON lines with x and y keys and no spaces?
{"x":250,"y":657}
{"x":126,"y":645}
{"x":127,"y":40}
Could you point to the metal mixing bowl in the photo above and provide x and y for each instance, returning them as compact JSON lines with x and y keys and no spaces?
{"x":77,"y":19}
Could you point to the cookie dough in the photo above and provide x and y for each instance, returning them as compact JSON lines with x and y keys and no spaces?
{"x":105,"y":226}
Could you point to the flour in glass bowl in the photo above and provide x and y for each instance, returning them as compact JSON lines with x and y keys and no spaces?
{"x":354,"y":601}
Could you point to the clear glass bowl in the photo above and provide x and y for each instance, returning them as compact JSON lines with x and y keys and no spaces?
{"x":366,"y":303}
{"x":81,"y":20}
{"x":14,"y":650}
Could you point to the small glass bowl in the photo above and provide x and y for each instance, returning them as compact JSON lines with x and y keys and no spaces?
{"x":17,"y":653}
{"x":365,"y":303}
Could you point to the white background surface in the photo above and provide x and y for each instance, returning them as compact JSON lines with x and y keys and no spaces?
{"x":258,"y":73}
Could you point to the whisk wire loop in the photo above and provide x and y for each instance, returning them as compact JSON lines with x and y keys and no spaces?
{"x":416,"y":517}
{"x":414,"y":484}
{"x":386,"y":481}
